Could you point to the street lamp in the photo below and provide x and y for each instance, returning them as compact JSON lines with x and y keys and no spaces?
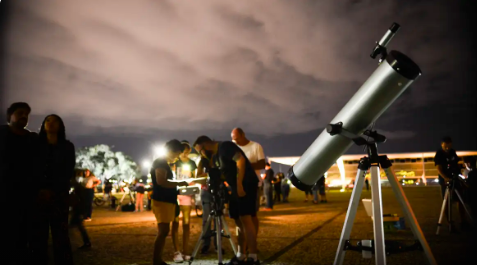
{"x":159,"y":151}
{"x":146,"y":164}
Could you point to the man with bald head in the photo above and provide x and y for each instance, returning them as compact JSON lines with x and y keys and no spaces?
{"x":256,"y":156}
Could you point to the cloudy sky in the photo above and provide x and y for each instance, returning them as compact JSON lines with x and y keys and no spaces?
{"x":137,"y":73}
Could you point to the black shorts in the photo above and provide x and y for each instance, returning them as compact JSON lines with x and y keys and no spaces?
{"x":244,"y":205}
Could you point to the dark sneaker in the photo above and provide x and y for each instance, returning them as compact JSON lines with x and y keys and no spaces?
{"x":204,"y":250}
{"x":236,"y":261}
{"x":85,"y":246}
{"x":252,"y":262}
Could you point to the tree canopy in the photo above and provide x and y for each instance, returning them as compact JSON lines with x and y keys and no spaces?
{"x":105,"y":163}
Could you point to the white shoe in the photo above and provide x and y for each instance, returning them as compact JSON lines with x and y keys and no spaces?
{"x":186,"y":258}
{"x":178,"y":257}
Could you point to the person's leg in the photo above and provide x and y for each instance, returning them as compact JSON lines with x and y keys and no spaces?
{"x":240,"y":239}
{"x":255,"y":223}
{"x":205,"y":216}
{"x":268,"y":195}
{"x":315,"y":196}
{"x":175,"y":234}
{"x":89,"y":202}
{"x":186,"y":209}
{"x":138,"y":195}
{"x":163,"y":231}
{"x":250,"y":234}
{"x":141,"y":202}
{"x":60,"y":234}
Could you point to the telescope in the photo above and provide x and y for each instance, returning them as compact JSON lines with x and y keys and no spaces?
{"x":395,"y":73}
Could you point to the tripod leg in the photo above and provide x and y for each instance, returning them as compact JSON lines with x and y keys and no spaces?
{"x":443,"y":209}
{"x":227,"y":233}
{"x":121,"y":202}
{"x":449,"y":207}
{"x":201,"y":238}
{"x":219,"y":237}
{"x":378,"y":227}
{"x":350,"y":216}
{"x":465,"y":207}
{"x":409,"y":214}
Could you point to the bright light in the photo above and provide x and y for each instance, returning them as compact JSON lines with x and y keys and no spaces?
{"x":335,"y":182}
{"x":341,"y":168}
{"x":436,"y":180}
{"x":146,"y":164}
{"x":186,"y":167}
{"x":342,"y":190}
{"x":159,"y":151}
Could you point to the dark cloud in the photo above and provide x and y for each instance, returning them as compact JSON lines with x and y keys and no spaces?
{"x":150,"y":68}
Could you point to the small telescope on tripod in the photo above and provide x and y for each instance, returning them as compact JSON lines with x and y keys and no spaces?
{"x":395,"y":73}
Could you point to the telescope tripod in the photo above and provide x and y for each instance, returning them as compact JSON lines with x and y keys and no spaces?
{"x":450,"y":190}
{"x":221,"y":230}
{"x":372,"y":163}
{"x":131,"y":197}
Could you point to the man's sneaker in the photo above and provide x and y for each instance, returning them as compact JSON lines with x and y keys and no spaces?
{"x":236,"y":261}
{"x":252,"y":262}
{"x":187,"y":258}
{"x":178,"y":257}
{"x":85,"y":246}
{"x":204,"y":250}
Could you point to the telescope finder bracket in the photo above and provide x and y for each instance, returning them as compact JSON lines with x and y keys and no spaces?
{"x":381,"y":46}
{"x":334,"y":129}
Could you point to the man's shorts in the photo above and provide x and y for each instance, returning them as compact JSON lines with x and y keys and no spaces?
{"x":246,"y":205}
{"x":165,"y":212}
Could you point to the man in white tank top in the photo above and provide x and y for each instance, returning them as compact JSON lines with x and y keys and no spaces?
{"x":256,"y":156}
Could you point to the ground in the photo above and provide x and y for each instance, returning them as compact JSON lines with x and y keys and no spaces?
{"x":293,"y":233}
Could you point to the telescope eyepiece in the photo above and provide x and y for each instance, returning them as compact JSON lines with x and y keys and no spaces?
{"x":394,"y":27}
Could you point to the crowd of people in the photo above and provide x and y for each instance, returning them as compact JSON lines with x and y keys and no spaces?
{"x":50,"y":175}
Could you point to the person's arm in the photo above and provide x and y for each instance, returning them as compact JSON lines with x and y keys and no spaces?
{"x":441,"y":171}
{"x":200,"y":170}
{"x":96,"y":181}
{"x":260,"y":164}
{"x":241,"y":162}
{"x":161,"y":179}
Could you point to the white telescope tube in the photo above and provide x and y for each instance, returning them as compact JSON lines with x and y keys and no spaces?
{"x":383,"y":87}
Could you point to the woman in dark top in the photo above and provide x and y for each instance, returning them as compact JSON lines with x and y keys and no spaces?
{"x":56,"y":162}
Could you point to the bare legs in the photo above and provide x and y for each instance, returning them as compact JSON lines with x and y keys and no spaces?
{"x":160,"y":242}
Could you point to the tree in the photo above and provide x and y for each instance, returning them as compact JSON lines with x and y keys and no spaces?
{"x":105,"y":163}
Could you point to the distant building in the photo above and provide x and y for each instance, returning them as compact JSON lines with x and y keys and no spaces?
{"x":410,"y":168}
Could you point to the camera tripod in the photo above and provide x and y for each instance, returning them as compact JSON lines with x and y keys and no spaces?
{"x":221,"y":230}
{"x":450,"y":190}
{"x":131,"y":197}
{"x":372,"y":163}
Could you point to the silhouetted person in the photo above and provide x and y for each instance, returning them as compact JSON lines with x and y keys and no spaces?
{"x":447,"y":164}
{"x":17,"y":165}
{"x":90,"y":182}
{"x":78,"y":213}
{"x":277,"y":185}
{"x":56,"y":168}
{"x":268,"y":186}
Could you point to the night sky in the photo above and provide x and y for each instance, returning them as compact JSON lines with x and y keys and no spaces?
{"x":137,"y":73}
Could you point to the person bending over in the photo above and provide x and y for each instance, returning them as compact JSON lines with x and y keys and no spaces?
{"x":242,"y":180}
